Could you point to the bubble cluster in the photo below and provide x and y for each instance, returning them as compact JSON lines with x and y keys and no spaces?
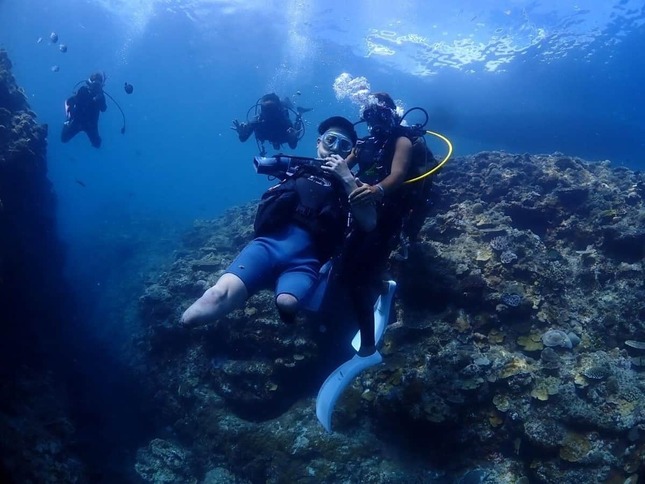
{"x":356,"y":89}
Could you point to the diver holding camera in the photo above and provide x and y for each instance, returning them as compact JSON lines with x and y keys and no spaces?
{"x":331,"y":141}
{"x":314,"y":192}
{"x":300,"y":223}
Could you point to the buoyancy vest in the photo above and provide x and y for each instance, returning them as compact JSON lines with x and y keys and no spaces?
{"x":374,"y":156}
{"x":312,"y":199}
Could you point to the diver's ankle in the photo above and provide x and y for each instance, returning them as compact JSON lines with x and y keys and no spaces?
{"x":366,"y":351}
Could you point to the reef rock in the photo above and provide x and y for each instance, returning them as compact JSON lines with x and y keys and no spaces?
{"x":517,"y":245}
{"x":35,"y":429}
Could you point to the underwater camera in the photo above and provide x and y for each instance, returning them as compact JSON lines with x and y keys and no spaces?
{"x":280,"y":164}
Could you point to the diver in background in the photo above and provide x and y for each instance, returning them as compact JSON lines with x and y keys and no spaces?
{"x":83,"y":109}
{"x":272,"y":123}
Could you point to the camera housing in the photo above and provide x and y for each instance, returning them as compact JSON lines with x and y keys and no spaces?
{"x":280,"y":165}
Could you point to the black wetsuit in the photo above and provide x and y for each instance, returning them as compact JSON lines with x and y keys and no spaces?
{"x":274,"y":127}
{"x":84,"y":108}
{"x":364,"y":260}
{"x":365,"y":254}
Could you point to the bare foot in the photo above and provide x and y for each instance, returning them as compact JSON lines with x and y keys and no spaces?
{"x":227,"y":294}
{"x":202,"y":311}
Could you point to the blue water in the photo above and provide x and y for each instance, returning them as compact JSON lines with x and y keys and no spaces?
{"x":524,"y":76}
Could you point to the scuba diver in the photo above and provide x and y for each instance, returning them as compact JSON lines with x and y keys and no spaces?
{"x":271,"y":122}
{"x":83,"y":108}
{"x":393,"y":167}
{"x":386,"y":130}
{"x":384,"y":160}
{"x":300,"y":223}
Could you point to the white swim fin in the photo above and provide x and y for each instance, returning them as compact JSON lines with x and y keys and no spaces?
{"x":381,"y":315}
{"x":336,"y":383}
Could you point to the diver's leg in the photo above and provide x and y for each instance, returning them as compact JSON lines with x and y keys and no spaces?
{"x":228,"y":293}
{"x":287,"y":305}
{"x":363,"y":300}
{"x":293,"y":286}
{"x":300,"y":268}
{"x":70,"y":129}
{"x":363,"y":259}
{"x":249,"y":272}
{"x":93,"y":135}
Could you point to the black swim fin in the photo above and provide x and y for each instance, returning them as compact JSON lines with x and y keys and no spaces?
{"x":381,"y":315}
{"x":302,"y":110}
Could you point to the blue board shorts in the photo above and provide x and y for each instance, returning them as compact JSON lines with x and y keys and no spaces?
{"x":286,"y":258}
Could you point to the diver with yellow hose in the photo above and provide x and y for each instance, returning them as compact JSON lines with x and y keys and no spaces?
{"x":394,"y":166}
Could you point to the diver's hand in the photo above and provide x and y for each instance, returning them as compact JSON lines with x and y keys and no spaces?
{"x":243,"y":130}
{"x":335,"y":164}
{"x":237,"y":126}
{"x":366,"y":194}
{"x":298,"y":125}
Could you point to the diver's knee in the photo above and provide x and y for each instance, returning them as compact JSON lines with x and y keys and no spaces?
{"x":287,"y":302}
{"x":287,"y":307}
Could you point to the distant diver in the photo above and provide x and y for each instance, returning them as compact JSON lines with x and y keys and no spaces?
{"x":83,"y":108}
{"x":271,"y":122}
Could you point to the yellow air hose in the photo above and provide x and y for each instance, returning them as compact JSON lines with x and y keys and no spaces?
{"x":438,"y":167}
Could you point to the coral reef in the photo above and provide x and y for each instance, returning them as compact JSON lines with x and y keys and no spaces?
{"x":515,"y":353}
{"x":36,"y":433}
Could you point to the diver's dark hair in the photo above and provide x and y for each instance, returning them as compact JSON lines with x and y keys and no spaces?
{"x":341,"y":123}
{"x":96,"y":77}
{"x":270,"y":98}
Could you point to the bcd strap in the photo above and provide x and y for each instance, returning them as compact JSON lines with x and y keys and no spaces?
{"x":312,"y":201}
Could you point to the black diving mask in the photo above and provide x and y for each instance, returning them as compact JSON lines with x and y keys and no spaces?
{"x":379,"y":115}
{"x":380,"y":120}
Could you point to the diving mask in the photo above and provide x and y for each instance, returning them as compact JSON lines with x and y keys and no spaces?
{"x":379,"y":115}
{"x":336,"y":142}
{"x":379,"y":118}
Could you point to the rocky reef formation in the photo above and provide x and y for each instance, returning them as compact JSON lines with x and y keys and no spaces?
{"x":35,"y":430}
{"x":515,"y":353}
